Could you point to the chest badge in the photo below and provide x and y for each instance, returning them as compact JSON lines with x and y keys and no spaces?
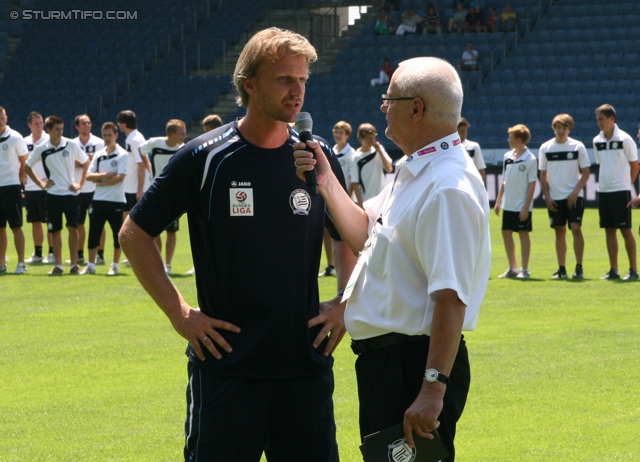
{"x":241,"y":202}
{"x":300,"y":202}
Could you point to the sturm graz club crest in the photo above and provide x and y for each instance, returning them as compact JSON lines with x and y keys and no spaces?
{"x":444,"y":145}
{"x":399,"y":451}
{"x":300,"y":202}
{"x":65,"y":153}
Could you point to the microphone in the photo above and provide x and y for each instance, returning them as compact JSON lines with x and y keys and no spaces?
{"x":304,"y":124}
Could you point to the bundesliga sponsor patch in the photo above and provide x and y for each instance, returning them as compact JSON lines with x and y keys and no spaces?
{"x":241,"y":202}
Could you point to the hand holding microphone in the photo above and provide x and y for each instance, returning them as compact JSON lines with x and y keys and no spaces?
{"x":304,"y":125}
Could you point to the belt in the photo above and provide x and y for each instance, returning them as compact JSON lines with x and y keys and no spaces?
{"x":360,"y":347}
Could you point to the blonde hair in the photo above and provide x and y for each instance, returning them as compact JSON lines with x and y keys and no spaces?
{"x":174,"y":124}
{"x":521,"y":132}
{"x":366,"y":129}
{"x":346,"y":126}
{"x":272,"y":43}
{"x":563,"y":119}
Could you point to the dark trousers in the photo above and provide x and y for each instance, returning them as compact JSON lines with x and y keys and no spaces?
{"x":389,"y":380}
{"x":233,"y":419}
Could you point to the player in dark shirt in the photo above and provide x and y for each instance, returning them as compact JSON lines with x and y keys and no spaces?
{"x":260,"y":376}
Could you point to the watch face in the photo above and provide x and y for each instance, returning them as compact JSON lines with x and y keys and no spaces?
{"x":431,"y":375}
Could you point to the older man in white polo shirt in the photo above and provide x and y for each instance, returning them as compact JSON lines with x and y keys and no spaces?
{"x":419,"y":282}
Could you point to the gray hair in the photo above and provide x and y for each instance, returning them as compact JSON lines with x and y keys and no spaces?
{"x":437,"y":83}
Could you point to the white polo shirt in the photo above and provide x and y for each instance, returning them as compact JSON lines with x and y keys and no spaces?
{"x":12,"y":148}
{"x":115,"y":162}
{"x":368,"y":170}
{"x":59,"y":164}
{"x":614,"y":156}
{"x":474,"y":151}
{"x":517,"y":174}
{"x":433,"y":234}
{"x":345,"y":156}
{"x":94,"y":145}
{"x":159,"y":153}
{"x":38,"y":168}
{"x":563,"y":163}
{"x":133,"y":142}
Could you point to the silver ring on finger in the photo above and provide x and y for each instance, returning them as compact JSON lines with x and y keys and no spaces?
{"x":205,"y":338}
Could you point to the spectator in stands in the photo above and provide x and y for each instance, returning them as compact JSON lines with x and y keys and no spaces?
{"x":390,"y":5}
{"x":480,"y":6}
{"x":432,"y":20}
{"x":492,"y":21}
{"x":456,"y":22}
{"x":617,"y":154}
{"x":386,"y":71}
{"x":473,"y":21}
{"x":369,"y":163}
{"x":508,"y":19}
{"x":410,"y":22}
{"x":564,"y":172}
{"x":515,"y":198}
{"x":382,"y":26}
{"x":469,"y":59}
{"x":472,"y":148}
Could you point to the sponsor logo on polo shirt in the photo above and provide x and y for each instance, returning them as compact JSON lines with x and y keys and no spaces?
{"x":241,"y":202}
{"x":422,"y":152}
{"x":300,"y":202}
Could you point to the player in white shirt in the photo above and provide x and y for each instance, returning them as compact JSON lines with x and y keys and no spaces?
{"x":138,"y":176}
{"x":617,"y":154}
{"x":515,"y":198}
{"x":344,"y":152}
{"x":107,"y":171}
{"x":472,"y":148}
{"x":564,"y":172}
{"x":36,"y":198}
{"x":90,"y":144}
{"x":159,"y":150}
{"x":59,"y":156}
{"x":13,"y":155}
{"x":369,"y":164}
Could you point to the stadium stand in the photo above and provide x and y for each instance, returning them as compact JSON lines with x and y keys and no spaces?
{"x":176,"y":59}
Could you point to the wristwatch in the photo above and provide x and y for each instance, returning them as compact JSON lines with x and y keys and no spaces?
{"x":432,"y":375}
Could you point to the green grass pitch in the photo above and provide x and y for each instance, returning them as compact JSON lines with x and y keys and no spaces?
{"x":91,"y":370}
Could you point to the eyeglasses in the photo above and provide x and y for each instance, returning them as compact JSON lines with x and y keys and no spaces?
{"x":386,"y":99}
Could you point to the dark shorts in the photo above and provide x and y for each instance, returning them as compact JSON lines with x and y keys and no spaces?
{"x":173,"y":227}
{"x":84,"y":202}
{"x":61,"y":205}
{"x":389,"y":380}
{"x":131,"y":201}
{"x":10,"y":207}
{"x":613,"y":209}
{"x":565,"y":215}
{"x":511,"y":222}
{"x":101,"y":212}
{"x":36,"y":205}
{"x":236,"y":419}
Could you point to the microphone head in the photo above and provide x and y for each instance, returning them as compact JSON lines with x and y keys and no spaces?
{"x":304,"y":122}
